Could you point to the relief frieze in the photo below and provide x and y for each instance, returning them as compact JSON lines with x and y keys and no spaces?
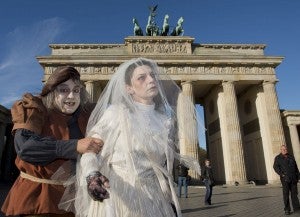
{"x":104,"y":70}
{"x":49,"y":70}
{"x":180,"y":70}
{"x":157,"y":48}
{"x":217,"y":70}
{"x":84,"y":69}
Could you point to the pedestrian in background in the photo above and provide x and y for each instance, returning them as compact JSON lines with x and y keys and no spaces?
{"x":208,"y":179}
{"x":182,"y":179}
{"x":286,"y":167}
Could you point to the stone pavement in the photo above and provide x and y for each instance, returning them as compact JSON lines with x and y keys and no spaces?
{"x":240,"y":201}
{"x":237,"y":201}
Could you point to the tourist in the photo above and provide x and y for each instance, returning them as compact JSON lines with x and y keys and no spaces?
{"x":182,"y":179}
{"x":286,"y":167}
{"x":208,"y":180}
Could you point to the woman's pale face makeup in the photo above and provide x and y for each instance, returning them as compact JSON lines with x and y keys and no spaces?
{"x":67,"y":97}
{"x":143,"y":85}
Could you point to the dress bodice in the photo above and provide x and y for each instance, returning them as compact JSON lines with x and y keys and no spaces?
{"x":149,"y":139}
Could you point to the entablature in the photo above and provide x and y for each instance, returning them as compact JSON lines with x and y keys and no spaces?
{"x":158,"y":45}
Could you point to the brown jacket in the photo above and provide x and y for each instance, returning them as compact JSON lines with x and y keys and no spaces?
{"x":30,"y":197}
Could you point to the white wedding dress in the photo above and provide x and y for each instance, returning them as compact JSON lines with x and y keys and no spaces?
{"x":137,"y":161}
{"x":140,"y":145}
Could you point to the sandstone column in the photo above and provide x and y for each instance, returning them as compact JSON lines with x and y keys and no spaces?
{"x":188,"y":137}
{"x":232,"y":142}
{"x":273,"y":112}
{"x":90,"y":88}
{"x":295,"y":142}
{"x":271,"y":126}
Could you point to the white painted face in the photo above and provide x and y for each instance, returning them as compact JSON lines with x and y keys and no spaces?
{"x":143,"y":85}
{"x":67,"y":97}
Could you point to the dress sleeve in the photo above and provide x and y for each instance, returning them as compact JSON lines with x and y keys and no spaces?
{"x":91,"y":162}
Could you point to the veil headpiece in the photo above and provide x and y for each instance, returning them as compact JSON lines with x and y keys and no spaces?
{"x":115,"y":92}
{"x":166,"y":102}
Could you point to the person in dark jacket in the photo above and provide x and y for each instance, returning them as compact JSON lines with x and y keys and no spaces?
{"x":48,"y":131}
{"x":208,"y":179}
{"x":286,"y":167}
{"x":182,"y":179}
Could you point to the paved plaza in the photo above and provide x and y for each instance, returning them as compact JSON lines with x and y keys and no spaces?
{"x":237,"y":201}
{"x":240,"y":201}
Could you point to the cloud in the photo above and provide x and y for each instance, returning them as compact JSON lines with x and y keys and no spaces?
{"x":9,"y":99}
{"x":19,"y":70}
{"x":25,"y":42}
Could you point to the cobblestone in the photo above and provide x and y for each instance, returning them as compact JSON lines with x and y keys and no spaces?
{"x":227,"y":201}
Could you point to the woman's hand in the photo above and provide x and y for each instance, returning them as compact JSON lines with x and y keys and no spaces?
{"x":96,"y":186}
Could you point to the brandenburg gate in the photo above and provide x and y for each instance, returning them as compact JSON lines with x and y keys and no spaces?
{"x":235,"y":84}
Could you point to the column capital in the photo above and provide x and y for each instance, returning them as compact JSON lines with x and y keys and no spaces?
{"x":228,"y":81}
{"x":89,"y":82}
{"x":228,"y":85}
{"x":187,"y":82}
{"x":265,"y":82}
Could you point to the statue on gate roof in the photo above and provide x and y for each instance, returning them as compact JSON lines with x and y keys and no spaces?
{"x":153,"y":30}
{"x":137,"y":30}
{"x":178,"y":30}
{"x":165,"y":28}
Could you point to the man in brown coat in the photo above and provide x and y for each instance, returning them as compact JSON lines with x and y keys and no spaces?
{"x":49,"y":131}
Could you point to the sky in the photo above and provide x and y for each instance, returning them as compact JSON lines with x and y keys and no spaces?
{"x":27,"y":27}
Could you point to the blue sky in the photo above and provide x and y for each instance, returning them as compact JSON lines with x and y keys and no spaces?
{"x":27,"y":27}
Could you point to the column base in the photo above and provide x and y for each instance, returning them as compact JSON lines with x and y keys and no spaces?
{"x":238,"y":183}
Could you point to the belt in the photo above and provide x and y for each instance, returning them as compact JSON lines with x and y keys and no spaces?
{"x":39,"y":180}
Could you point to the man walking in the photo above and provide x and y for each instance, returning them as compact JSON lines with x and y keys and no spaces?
{"x":182,"y":179}
{"x":208,"y":180}
{"x":286,"y":167}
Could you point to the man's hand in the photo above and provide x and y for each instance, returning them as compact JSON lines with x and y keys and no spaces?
{"x":96,"y":186}
{"x":89,"y":144}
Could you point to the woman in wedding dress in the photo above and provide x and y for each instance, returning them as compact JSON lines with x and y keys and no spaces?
{"x":136,"y":118}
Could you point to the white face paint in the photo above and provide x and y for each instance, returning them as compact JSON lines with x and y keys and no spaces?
{"x":143,"y":85}
{"x":67,"y":96}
